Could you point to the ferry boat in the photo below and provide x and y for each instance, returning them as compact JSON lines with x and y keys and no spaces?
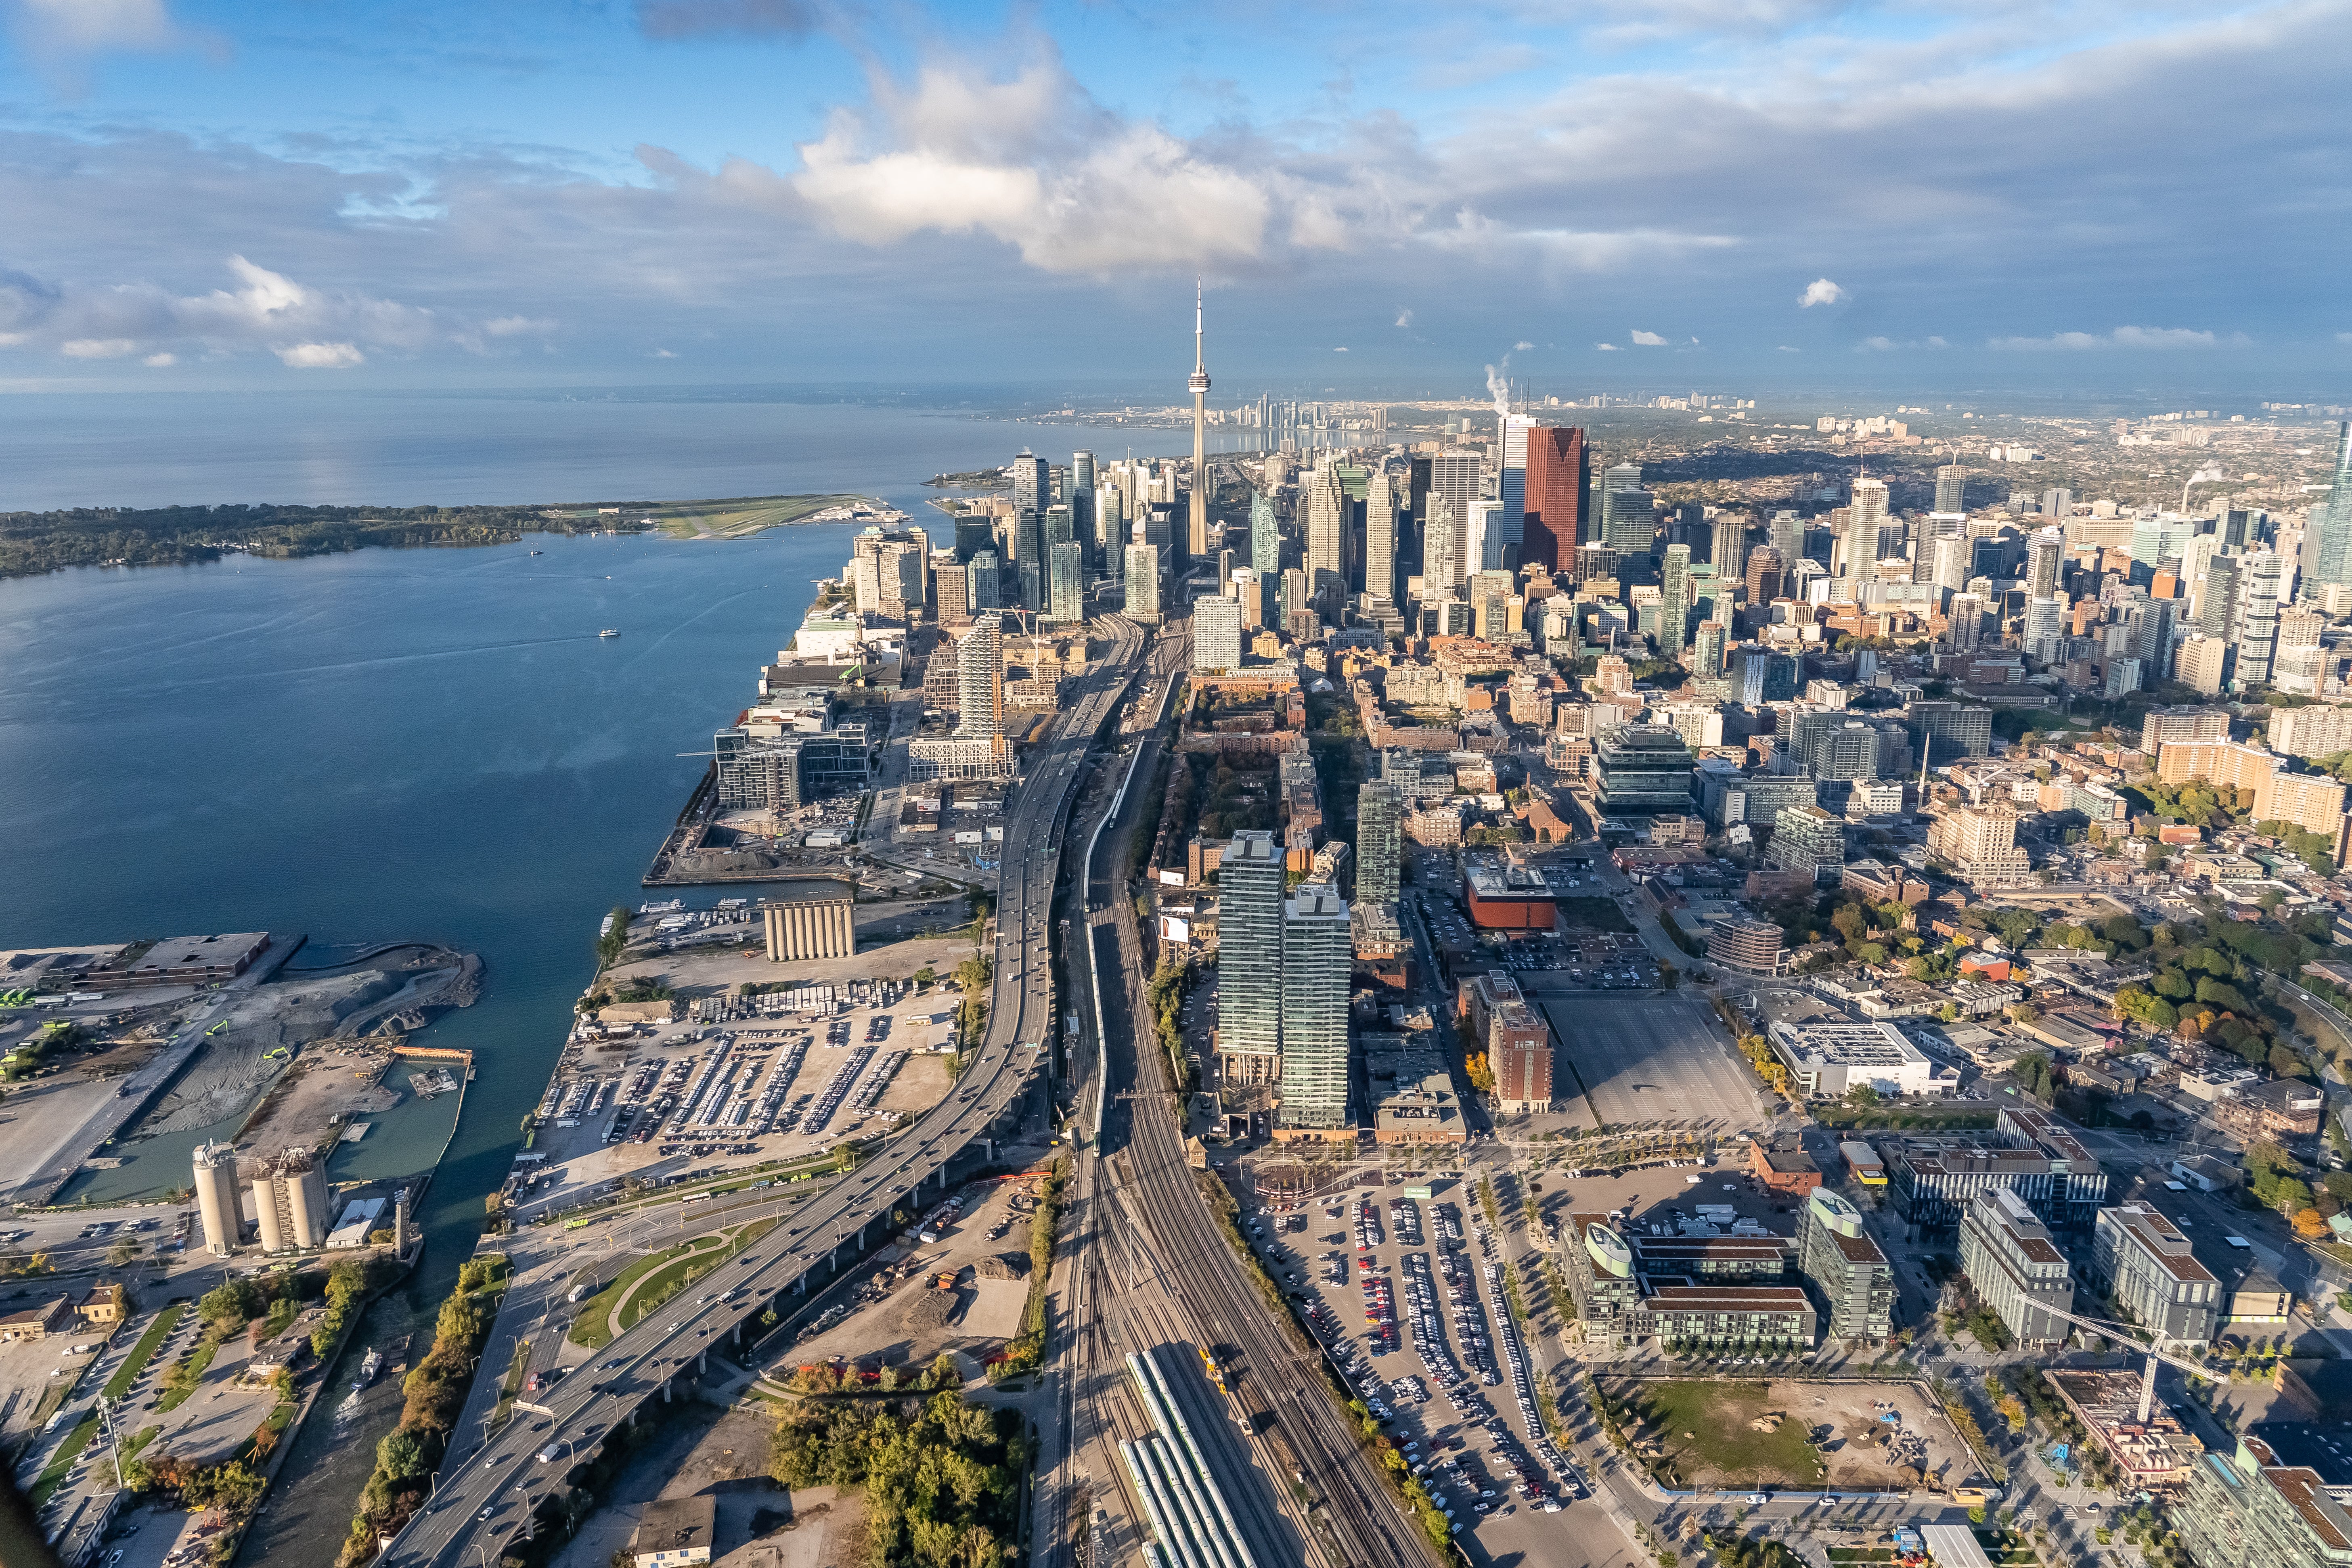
{"x":610,"y":632}
{"x":539,"y":553}
{"x":370,"y":1365}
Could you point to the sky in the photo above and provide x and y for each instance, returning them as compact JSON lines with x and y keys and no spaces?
{"x":408,"y":194}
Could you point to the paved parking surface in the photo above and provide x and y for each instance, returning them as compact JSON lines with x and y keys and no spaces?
{"x":1659,"y":1058}
{"x":1403,"y":1295}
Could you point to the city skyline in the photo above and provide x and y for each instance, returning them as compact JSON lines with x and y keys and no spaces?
{"x":583,"y":198}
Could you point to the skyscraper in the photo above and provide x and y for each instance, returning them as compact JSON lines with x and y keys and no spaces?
{"x":1217,"y":633}
{"x":1249,"y":948}
{"x":1728,"y":550}
{"x":1033,"y":484}
{"x":1629,"y":520}
{"x":2332,"y":518}
{"x":1317,"y":955}
{"x":1952,"y":488}
{"x":2058,"y":503}
{"x":1673,"y":601}
{"x":980,"y":678}
{"x":1065,"y":571}
{"x":1511,"y":489}
{"x":1764,"y":565}
{"x":1142,"y":582}
{"x":1558,"y":474}
{"x":1266,"y":535}
{"x":1438,"y":550}
{"x":985,"y":583}
{"x":1381,"y":538}
{"x":1863,"y":520}
{"x":1453,"y":476}
{"x":2045,"y":563}
{"x":2256,"y":632}
{"x":1706,"y":650}
{"x":1949,"y":563}
{"x":1379,"y":841}
{"x":1197,"y":536}
{"x":1327,"y":532}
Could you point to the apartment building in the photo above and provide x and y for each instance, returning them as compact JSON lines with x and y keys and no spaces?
{"x":2141,"y":1258}
{"x":2016,"y":1269}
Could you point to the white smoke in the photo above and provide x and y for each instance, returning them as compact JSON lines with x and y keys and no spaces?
{"x":1498,"y":385}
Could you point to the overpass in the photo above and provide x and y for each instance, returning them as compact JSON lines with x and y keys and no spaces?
{"x":487,"y":1497}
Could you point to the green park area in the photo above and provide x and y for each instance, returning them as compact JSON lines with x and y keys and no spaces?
{"x":655,"y":1279}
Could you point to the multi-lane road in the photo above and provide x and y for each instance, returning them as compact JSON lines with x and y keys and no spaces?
{"x":488,"y":1496}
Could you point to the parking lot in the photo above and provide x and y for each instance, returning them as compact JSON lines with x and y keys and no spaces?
{"x":1655,"y":1058}
{"x":1405,"y":1293}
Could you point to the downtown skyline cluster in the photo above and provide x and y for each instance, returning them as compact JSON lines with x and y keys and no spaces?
{"x":214,"y":195}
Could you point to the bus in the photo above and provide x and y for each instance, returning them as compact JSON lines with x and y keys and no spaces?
{"x":694,"y":1197}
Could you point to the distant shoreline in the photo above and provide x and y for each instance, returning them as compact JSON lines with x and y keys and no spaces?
{"x":34,"y":544}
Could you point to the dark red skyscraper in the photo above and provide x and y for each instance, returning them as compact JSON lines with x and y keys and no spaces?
{"x":1559,"y":474}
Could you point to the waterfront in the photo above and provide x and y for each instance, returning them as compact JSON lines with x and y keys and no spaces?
{"x":428,"y":744}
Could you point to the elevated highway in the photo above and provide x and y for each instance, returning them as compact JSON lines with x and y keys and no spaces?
{"x":487,"y":1497}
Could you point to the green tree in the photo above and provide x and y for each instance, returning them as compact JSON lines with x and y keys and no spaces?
{"x":613,"y":937}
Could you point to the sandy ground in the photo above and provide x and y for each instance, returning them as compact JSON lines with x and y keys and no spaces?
{"x":36,"y":1119}
{"x":1844,"y":1420}
{"x":297,"y":1008}
{"x":326,"y":1086}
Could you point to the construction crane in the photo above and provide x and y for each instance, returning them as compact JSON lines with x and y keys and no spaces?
{"x":2123,"y":1334}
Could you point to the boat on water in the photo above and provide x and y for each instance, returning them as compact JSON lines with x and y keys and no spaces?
{"x":370,"y":1365}
{"x":610,"y":632}
{"x":539,"y":553}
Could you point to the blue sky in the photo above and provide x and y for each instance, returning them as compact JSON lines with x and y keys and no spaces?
{"x":285,"y":192}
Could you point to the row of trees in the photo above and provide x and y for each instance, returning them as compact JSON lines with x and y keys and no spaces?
{"x":435,"y":1396}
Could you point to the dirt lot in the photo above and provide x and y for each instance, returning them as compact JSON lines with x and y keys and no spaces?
{"x":1794,"y":1436}
{"x":701,"y":1451}
{"x":900,"y":1326}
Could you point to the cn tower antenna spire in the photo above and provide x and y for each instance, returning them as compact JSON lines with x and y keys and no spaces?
{"x":1196,"y":532}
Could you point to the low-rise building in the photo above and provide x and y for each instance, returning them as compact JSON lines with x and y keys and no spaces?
{"x":1694,"y":1291}
{"x":2016,"y":1269}
{"x":675,"y":1532}
{"x":2155,"y":1455}
{"x":2280,"y":1108}
{"x":1827,"y":1059}
{"x":1782,"y":1165}
{"x":2141,"y":1259}
{"x":36,"y":1322}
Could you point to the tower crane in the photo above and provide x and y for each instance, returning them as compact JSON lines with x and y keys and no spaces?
{"x":2123,"y":1334}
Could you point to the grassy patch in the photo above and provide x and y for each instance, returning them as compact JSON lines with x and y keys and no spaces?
{"x":656,"y":1289}
{"x":144,"y":1352}
{"x":594,"y":1327}
{"x":735,"y":518}
{"x":144,"y":1435}
{"x":186,"y":1373}
{"x":511,"y":1386}
{"x":54,"y":1475}
{"x":1704,"y":1430}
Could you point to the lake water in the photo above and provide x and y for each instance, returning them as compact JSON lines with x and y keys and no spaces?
{"x":426,"y":744}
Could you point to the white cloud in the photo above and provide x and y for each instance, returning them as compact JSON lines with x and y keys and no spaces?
{"x":1648,"y":340}
{"x":157,"y":362}
{"x":97,"y":348}
{"x":1522,"y":344}
{"x":2122,"y":338}
{"x":661,"y":353}
{"x":1338,"y":351}
{"x":2344,"y":337}
{"x":1035,"y":163}
{"x":515,"y":326}
{"x":1404,"y":319}
{"x":1820,"y":291}
{"x":1936,"y":343}
{"x":321,"y":356}
{"x":1607,"y":348}
{"x":1880,"y":345}
{"x":1785,"y":349}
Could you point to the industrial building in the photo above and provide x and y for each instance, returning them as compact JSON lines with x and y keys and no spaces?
{"x":217,"y":1200}
{"x":1505,"y":894}
{"x":813,"y":918}
{"x":290,"y":1202}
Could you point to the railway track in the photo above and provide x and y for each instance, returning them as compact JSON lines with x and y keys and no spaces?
{"x":1354,"y":1520}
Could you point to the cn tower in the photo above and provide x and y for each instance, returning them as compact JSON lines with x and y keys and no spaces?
{"x":1196,"y":539}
